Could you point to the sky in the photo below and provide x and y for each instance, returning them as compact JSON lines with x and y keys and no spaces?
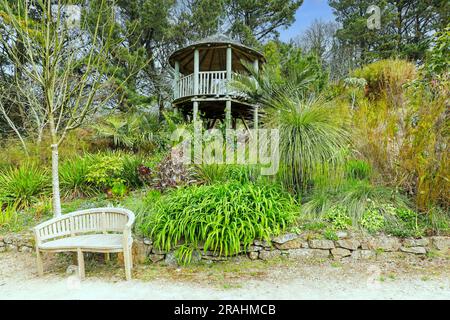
{"x":308,"y":11}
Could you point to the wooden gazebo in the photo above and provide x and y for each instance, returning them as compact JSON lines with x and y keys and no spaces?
{"x":202,"y":72}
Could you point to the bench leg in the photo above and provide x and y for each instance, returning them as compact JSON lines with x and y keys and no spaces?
{"x":107,"y":257}
{"x":40,"y":265}
{"x":128,"y":262}
{"x":81,"y":272}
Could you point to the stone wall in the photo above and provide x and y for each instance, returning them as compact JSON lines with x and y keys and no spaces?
{"x":348,"y":246}
{"x":22,"y":242}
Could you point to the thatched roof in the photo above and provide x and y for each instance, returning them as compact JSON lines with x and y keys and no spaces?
{"x":213,"y":54}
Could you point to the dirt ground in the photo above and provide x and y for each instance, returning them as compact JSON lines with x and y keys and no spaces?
{"x":382,"y":278}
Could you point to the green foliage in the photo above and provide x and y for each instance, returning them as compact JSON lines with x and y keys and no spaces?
{"x":311,"y":140}
{"x":405,"y":28}
{"x":386,"y":78}
{"x":90,"y":174}
{"x":119,"y":190}
{"x":372,"y":220}
{"x":338,"y":217}
{"x":358,"y":169}
{"x":8,"y":215}
{"x":354,"y":197}
{"x":401,"y":130}
{"x":330,"y":234}
{"x":105,"y":171}
{"x":130,"y":172}
{"x":73,"y":177}
{"x":184,"y":254}
{"x":214,"y":173}
{"x":138,"y":131}
{"x":222,"y":216}
{"x":24,"y":185}
{"x":288,"y":65}
{"x":437,"y":61}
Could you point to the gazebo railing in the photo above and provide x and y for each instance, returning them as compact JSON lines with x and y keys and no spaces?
{"x":212,"y":83}
{"x":209,"y":83}
{"x":185,"y":87}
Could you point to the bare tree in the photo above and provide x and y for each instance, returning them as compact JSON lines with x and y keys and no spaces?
{"x":61,"y":62}
{"x":318,"y":38}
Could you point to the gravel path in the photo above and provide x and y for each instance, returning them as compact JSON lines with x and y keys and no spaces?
{"x":18,"y":280}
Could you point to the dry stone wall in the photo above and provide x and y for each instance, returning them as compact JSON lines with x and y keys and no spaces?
{"x":347,"y":247}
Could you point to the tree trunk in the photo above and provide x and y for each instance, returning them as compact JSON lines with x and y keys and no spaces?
{"x":55,"y":181}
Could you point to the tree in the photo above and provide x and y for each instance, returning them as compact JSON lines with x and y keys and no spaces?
{"x":62,"y":67}
{"x":406,"y":27}
{"x":289,"y":64}
{"x":318,"y":38}
{"x":253,"y":21}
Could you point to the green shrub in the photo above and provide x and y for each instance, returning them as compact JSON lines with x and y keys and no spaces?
{"x":312,"y":138}
{"x":213,"y":173}
{"x":8,"y":215}
{"x":106,"y":170}
{"x":358,"y":169}
{"x":330,"y":234}
{"x":439,"y":220}
{"x":222,"y":217}
{"x":372,"y":220}
{"x":339,"y":218}
{"x":24,"y":185}
{"x":73,"y":175}
{"x":130,"y":172}
{"x":356,"y":196}
{"x":386,"y":76}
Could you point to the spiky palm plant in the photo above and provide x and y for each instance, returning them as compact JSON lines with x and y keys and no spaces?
{"x":312,"y":134}
{"x":139,"y":130}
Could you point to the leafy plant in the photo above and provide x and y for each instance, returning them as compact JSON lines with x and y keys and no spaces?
{"x":330,"y":234}
{"x":358,"y":169}
{"x":24,"y":185}
{"x":172,"y":172}
{"x":8,"y":214}
{"x":312,"y":139}
{"x":184,"y":254}
{"x":105,"y":171}
{"x":221,"y":217}
{"x":73,"y":175}
{"x":338,"y":217}
{"x":213,"y":173}
{"x":372,"y":220}
{"x":387,"y":77}
{"x":138,"y":131}
{"x":130,"y":172}
{"x":355,"y":197}
{"x":119,"y":189}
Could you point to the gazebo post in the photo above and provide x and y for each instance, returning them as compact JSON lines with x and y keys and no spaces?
{"x":229,"y":76}
{"x":195,"y":111}
{"x":196,"y":76}
{"x":176,"y":79}
{"x":256,"y":65}
{"x":228,"y":114}
{"x":229,"y":65}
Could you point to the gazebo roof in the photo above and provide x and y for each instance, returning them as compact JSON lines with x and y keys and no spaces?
{"x":214,"y":58}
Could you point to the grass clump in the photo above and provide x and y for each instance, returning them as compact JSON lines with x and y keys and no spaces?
{"x":24,"y":185}
{"x":219,"y":217}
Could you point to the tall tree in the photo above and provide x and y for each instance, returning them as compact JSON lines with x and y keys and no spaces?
{"x":253,"y":21}
{"x":406,"y":27}
{"x":62,"y":69}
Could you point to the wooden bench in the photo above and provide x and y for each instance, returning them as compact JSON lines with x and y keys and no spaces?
{"x":104,"y":230}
